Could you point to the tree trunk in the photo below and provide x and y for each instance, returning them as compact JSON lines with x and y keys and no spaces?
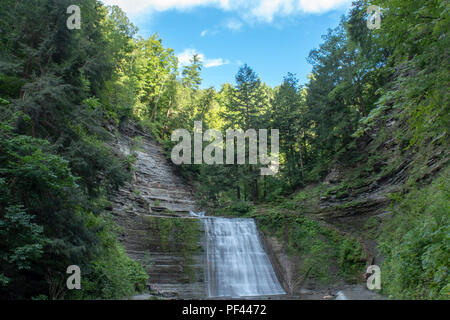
{"x":301,"y":159}
{"x":155,"y":109}
{"x":253,"y":191}
{"x":265,"y":187}
{"x":253,"y":186}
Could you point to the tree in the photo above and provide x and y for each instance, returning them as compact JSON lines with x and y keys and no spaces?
{"x":288,"y":114}
{"x":247,"y":100}
{"x":417,"y":35}
{"x":54,"y":162}
{"x":154,"y":67}
{"x":244,"y":109}
{"x":191,"y":73}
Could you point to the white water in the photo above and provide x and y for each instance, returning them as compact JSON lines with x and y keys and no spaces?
{"x":341,"y":296}
{"x":198,"y":214}
{"x":237,"y":264}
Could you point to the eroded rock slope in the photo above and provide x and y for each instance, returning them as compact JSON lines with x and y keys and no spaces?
{"x":153,"y":214}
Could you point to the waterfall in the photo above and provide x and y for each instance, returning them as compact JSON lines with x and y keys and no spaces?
{"x":237,"y":264}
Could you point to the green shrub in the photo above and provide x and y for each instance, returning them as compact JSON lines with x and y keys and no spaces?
{"x":112,"y":274}
{"x":416,"y":244}
{"x":47,"y":223}
{"x":240,"y":207}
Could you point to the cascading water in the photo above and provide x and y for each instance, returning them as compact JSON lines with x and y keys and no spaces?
{"x":237,"y":264}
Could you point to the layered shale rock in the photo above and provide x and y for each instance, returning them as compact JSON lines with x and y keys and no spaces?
{"x":152,"y":212}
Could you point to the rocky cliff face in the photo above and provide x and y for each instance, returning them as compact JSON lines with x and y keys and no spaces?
{"x":356,"y":197}
{"x":152,"y":212}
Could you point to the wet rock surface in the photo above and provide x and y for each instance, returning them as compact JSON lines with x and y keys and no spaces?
{"x":300,"y":287}
{"x":155,"y":228}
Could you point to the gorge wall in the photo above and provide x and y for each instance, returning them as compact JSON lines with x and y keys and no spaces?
{"x":153,"y":214}
{"x":358,"y":199}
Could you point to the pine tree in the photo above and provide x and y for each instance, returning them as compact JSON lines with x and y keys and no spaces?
{"x":191,"y":73}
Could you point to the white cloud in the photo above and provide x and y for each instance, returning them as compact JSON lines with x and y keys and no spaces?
{"x":210,"y":32}
{"x":321,"y":5}
{"x":137,"y":6}
{"x":211,"y":63}
{"x":184,"y":59}
{"x":233,"y":24}
{"x":264,"y":10}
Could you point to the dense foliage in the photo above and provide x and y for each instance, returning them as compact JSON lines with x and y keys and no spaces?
{"x":55,"y":167}
{"x":417,"y":244}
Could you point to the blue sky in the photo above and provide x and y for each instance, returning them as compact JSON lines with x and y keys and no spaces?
{"x":273,"y":37}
